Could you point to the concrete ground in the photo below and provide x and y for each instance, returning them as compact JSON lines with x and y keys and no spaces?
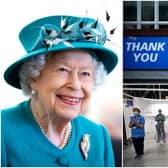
{"x":155,"y":154}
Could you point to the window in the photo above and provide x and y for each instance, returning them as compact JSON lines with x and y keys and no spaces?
{"x":146,"y":15}
{"x":130,"y":11}
{"x":147,"y":11}
{"x":163,"y":11}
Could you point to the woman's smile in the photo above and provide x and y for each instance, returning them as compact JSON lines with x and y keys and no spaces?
{"x":70,"y":100}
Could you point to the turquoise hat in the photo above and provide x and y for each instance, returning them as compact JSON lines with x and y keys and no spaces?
{"x":57,"y":33}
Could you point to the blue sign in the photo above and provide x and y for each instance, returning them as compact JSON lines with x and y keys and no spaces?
{"x":145,"y":52}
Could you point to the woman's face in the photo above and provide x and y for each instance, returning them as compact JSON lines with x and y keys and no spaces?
{"x":65,"y":84}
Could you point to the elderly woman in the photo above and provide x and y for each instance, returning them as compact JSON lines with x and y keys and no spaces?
{"x":65,"y":60}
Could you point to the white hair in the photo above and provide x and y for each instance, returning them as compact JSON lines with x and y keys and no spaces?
{"x":32,"y":67}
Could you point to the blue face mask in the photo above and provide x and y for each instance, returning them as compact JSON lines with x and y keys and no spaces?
{"x":135,"y":113}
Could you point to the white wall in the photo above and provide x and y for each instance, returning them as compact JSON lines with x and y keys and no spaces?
{"x":144,"y":104}
{"x":151,"y":106}
{"x":160,"y":104}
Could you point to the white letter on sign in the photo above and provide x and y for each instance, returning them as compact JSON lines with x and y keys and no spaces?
{"x":137,"y":56}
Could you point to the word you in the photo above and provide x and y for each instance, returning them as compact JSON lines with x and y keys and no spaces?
{"x":145,"y":51}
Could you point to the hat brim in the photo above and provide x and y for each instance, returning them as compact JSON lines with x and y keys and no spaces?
{"x":105,"y":55}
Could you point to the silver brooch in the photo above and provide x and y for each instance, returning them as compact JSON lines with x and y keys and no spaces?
{"x":85,"y":145}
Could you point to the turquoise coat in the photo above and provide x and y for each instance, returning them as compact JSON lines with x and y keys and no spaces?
{"x":24,"y":144}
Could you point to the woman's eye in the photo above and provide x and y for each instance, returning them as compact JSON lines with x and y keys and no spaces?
{"x":63,"y":69}
{"x":86,"y":74}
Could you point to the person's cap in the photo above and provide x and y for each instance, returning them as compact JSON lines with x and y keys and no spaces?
{"x":136,"y":109}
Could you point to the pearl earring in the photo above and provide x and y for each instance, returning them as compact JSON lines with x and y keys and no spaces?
{"x":33,"y":92}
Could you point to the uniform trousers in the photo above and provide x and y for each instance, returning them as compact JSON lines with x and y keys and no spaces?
{"x":138,"y":145}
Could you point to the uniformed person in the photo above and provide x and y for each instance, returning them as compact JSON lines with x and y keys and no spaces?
{"x":137,"y":125}
{"x":160,"y":119}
